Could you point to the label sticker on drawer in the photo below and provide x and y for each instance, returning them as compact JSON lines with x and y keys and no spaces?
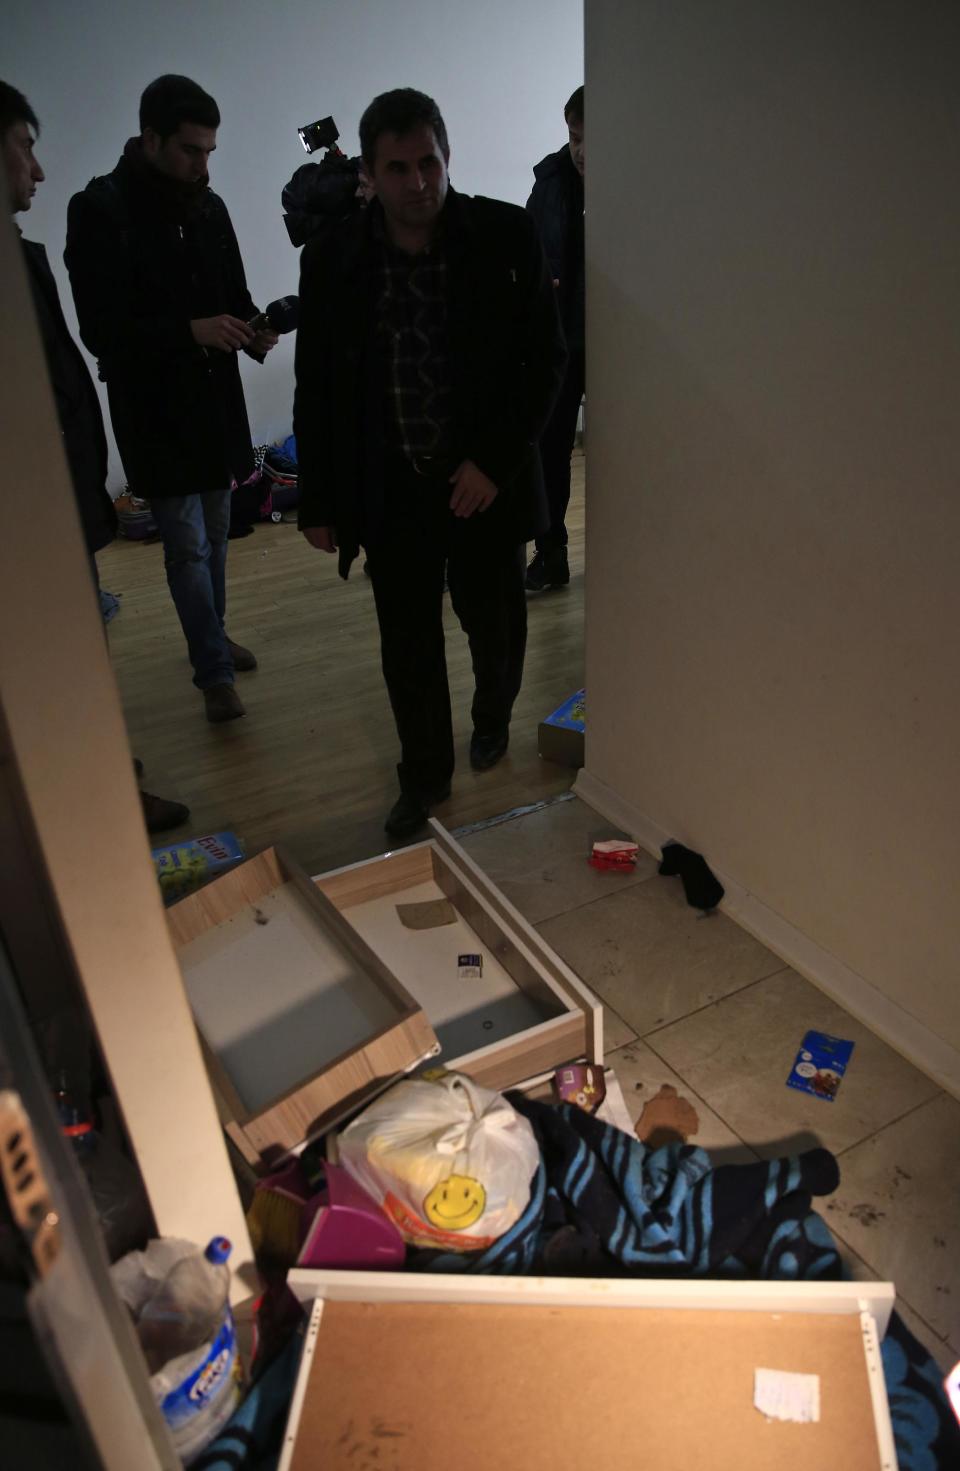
{"x":469,"y":967}
{"x":780,"y":1395}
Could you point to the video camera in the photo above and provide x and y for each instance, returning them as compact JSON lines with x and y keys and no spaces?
{"x":323,"y":134}
{"x":322,"y":194}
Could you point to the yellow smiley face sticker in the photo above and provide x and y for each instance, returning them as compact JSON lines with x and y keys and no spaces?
{"x":456,"y":1203}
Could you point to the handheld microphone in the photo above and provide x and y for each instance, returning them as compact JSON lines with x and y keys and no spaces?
{"x":280,"y":316}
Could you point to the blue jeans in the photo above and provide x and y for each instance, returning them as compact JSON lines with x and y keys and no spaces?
{"x":194,"y":530}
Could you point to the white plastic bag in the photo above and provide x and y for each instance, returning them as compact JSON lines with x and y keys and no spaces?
{"x":449,"y":1162}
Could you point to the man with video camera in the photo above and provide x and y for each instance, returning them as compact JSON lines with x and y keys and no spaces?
{"x":429,"y":354}
{"x":162,"y":303}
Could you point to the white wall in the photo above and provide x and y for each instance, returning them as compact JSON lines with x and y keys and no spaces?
{"x":774,"y":499}
{"x":500,"y":71}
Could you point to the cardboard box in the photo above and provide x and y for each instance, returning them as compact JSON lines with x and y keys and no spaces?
{"x":561,"y":735}
{"x":186,"y":866}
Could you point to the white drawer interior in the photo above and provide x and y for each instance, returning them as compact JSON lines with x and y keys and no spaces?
{"x":276,"y":996}
{"x":465,"y":1014}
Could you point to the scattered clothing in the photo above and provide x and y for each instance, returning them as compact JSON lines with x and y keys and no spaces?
{"x":251,"y":1439}
{"x":925,"y":1430}
{"x":604,"y":1205}
{"x":702,"y":889}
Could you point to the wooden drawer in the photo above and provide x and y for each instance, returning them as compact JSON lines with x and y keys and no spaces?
{"x":299,"y":1021}
{"x":526,"y":1015}
{"x":310,"y":997}
{"x":551,"y":1372}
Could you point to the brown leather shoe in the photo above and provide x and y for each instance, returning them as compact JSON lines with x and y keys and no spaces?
{"x":159,"y":814}
{"x":223,"y":703}
{"x":243,"y":659}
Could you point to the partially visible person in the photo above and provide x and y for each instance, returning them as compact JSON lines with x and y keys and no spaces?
{"x":78,"y":407}
{"x":429,"y":354}
{"x":163,"y":305}
{"x":556,"y":204}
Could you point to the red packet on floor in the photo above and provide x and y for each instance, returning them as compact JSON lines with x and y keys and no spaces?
{"x":614,"y":853}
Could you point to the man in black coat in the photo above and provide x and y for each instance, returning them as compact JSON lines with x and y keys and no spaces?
{"x":163,"y":305}
{"x":429,"y":353}
{"x":556,"y":204}
{"x":78,"y":407}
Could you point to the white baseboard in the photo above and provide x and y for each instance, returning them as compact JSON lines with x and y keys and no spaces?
{"x":859,"y":996}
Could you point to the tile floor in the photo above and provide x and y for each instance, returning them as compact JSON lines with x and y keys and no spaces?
{"x":701,"y":1005}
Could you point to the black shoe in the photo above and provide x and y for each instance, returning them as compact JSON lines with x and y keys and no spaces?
{"x":159,"y":814}
{"x":222,"y":703}
{"x":486,"y":751}
{"x":243,"y":659}
{"x":548,"y":569}
{"x":410,"y":811}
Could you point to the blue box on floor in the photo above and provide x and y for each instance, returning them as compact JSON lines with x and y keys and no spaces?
{"x":561,"y":735}
{"x":183,"y":867}
{"x":820,"y":1065}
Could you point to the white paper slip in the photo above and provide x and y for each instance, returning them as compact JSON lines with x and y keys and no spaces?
{"x":783,"y":1396}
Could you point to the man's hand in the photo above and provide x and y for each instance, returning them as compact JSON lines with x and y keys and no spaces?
{"x":263,"y":341}
{"x":225,"y":333}
{"x":473,"y":491}
{"x":322,"y":538}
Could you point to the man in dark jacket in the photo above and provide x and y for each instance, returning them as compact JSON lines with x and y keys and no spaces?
{"x":557,"y":206}
{"x":78,"y":408}
{"x":163,"y":305}
{"x":429,"y":353}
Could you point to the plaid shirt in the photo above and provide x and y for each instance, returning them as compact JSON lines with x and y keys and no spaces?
{"x":412,"y":316}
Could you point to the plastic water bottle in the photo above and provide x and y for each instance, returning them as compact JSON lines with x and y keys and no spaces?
{"x":187,"y":1332}
{"x":187,"y":1308}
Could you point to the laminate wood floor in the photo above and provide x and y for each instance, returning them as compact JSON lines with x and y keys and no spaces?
{"x":313,"y":763}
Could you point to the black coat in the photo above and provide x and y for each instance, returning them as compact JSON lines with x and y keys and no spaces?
{"x":556,"y":204}
{"x":141,"y":269}
{"x":78,"y":407}
{"x":507,"y":360}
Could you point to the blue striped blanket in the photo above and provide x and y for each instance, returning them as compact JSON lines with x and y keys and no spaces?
{"x":602,"y":1204}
